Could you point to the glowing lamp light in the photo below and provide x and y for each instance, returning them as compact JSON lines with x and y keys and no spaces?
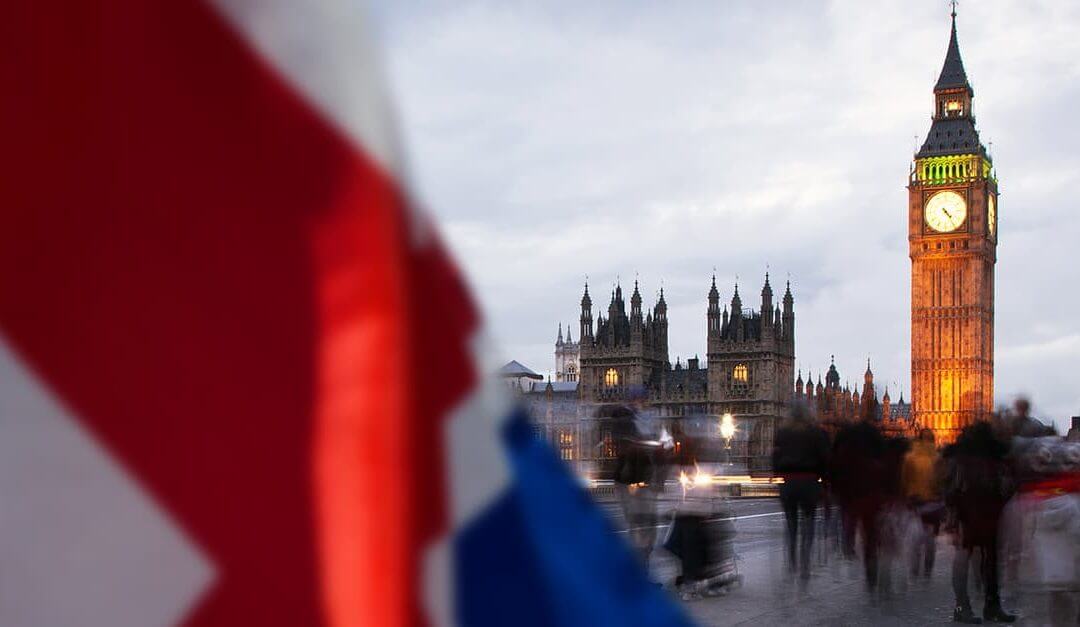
{"x":727,"y":426}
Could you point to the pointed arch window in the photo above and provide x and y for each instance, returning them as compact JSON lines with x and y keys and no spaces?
{"x":741,"y":374}
{"x":611,"y":378}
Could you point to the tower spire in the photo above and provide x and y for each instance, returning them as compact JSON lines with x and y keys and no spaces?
{"x":952,"y":71}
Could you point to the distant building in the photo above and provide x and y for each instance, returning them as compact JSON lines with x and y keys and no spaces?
{"x":567,"y":355}
{"x":836,"y":406}
{"x":749,"y":369}
{"x":518,"y":376}
{"x":1074,"y":430}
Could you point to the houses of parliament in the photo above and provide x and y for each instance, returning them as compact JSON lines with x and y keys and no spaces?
{"x":749,"y":366}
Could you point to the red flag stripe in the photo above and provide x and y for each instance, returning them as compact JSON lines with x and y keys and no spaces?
{"x":224,"y":290}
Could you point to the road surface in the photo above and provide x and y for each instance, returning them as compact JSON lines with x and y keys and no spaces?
{"x":836,"y":593}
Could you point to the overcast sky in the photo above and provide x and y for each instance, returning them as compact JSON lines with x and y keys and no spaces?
{"x":661,"y":140}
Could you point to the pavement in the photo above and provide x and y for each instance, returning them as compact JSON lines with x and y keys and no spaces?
{"x":836,"y":593}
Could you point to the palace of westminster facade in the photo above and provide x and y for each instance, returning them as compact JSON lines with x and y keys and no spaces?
{"x":749,"y":370}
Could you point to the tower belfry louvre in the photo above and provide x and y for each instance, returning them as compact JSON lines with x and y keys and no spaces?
{"x":952,"y":237}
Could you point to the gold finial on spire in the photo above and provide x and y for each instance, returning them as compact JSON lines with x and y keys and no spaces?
{"x":953,"y":3}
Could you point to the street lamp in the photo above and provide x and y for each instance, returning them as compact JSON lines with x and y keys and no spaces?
{"x":727,"y":431}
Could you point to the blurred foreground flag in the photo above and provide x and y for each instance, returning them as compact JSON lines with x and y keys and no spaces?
{"x":238,"y":382}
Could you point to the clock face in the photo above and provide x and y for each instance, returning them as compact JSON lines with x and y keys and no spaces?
{"x":945,"y":211}
{"x":991,"y":214}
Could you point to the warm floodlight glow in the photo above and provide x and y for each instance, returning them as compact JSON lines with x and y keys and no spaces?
{"x":727,"y":426}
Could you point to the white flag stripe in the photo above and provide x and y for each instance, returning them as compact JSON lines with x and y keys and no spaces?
{"x":325,"y":50}
{"x":80,"y":542}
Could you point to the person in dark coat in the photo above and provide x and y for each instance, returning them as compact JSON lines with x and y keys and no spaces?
{"x":976,"y":493}
{"x":801,"y":457}
{"x":859,"y":479}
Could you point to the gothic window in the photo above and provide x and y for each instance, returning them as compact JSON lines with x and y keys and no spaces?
{"x":741,"y":374}
{"x":608,"y":443}
{"x":566,"y":445}
{"x":571,"y":373}
{"x":611,"y":378}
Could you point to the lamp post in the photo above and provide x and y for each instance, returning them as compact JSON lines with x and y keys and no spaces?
{"x":727,"y":431}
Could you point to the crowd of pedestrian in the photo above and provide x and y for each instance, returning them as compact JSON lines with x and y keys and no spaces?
{"x":1005,"y":494}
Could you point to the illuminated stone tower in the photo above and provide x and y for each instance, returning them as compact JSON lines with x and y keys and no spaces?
{"x":952,"y":236}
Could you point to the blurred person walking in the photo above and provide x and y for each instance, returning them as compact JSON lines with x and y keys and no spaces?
{"x":920,"y":480}
{"x":858,"y":474}
{"x":801,"y":457}
{"x":641,"y":466}
{"x":1049,"y":506}
{"x":977,"y":490}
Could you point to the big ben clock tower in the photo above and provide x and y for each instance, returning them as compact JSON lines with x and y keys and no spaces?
{"x":952,"y":236}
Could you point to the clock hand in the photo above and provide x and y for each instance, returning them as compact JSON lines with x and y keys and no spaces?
{"x":947,"y":212}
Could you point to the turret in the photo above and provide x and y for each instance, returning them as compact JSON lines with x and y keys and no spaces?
{"x":637,"y":321}
{"x":660,"y":310}
{"x":713,"y":313}
{"x":661,"y":325}
{"x":558,"y":340}
{"x":789,"y":316}
{"x":737,"y":315}
{"x":766,"y":304}
{"x":586,"y":333}
{"x":832,"y":377}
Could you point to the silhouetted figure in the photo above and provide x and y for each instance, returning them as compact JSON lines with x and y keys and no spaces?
{"x":858,"y":475}
{"x":801,"y":457}
{"x":976,"y":495}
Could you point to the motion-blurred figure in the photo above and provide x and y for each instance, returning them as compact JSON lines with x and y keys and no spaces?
{"x":1049,"y":508}
{"x":633,"y":469}
{"x":920,"y":480}
{"x":858,"y":475}
{"x":1024,"y":425}
{"x":977,"y":491}
{"x":801,"y":457}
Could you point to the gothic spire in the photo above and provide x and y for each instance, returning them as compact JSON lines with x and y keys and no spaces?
{"x":952,"y":71}
{"x":558,"y":340}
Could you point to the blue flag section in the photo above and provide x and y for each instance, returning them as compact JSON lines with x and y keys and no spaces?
{"x":544,"y":554}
